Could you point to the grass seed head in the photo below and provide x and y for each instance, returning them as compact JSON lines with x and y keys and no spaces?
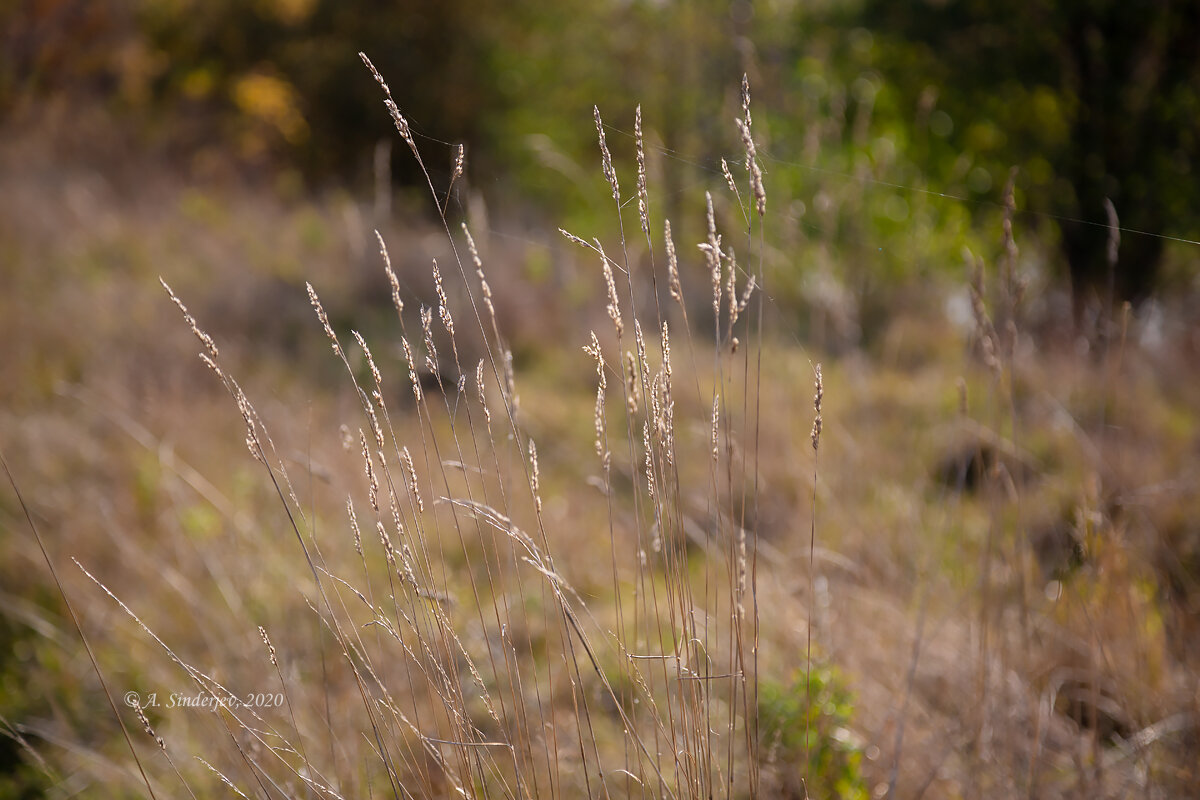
{"x":632,"y":392}
{"x":606,"y":157}
{"x":391,"y":276}
{"x":614,"y":303}
{"x":818,"y":397}
{"x":412,"y":369}
{"x":673,"y":284}
{"x":643,"y":212}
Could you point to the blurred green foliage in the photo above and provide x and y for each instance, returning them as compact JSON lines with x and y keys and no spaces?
{"x":804,"y":732}
{"x":887,"y":130}
{"x":1093,"y":100}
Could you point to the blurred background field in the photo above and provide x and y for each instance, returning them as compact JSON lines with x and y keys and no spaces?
{"x":1005,"y":590}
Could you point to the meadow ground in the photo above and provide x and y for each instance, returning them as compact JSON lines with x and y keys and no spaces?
{"x":988,"y":577}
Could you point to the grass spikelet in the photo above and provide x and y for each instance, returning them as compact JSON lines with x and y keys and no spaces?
{"x":479,"y":385}
{"x":756,"y":179}
{"x":412,"y":369}
{"x":324,"y":318}
{"x":989,"y":340}
{"x":640,"y":343}
{"x":673,"y":284}
{"x":643,"y":212}
{"x":460,"y":162}
{"x":411,"y":473}
{"x":667,"y":421}
{"x":443,"y":303}
{"x":510,"y":384}
{"x":647,"y":447}
{"x":377,"y":393}
{"x":369,"y":469}
{"x":535,"y":483}
{"x":742,"y":572}
{"x":148,"y":728}
{"x":716,"y":428}
{"x":431,"y":354}
{"x":632,"y":390}
{"x":731,"y":289}
{"x":602,"y":384}
{"x":391,"y":276}
{"x":393,"y":109}
{"x":262,"y":632}
{"x":614,"y":303}
{"x":746,"y":99}
{"x":354,"y":526}
{"x":209,"y":345}
{"x":484,"y":288}
{"x":221,"y":776}
{"x":253,"y":443}
{"x":818,"y":397}
{"x":745,"y":126}
{"x":747,"y":293}
{"x":712,"y":255}
{"x":606,"y":164}
{"x":729,"y":178}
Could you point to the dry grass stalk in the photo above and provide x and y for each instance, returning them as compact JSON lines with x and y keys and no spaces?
{"x":815,"y":436}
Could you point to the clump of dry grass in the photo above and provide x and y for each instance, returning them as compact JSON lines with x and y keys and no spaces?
{"x":480,"y":669}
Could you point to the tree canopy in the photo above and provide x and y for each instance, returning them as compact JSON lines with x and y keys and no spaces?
{"x":1096,"y":100}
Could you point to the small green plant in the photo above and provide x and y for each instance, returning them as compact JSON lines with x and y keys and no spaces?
{"x":807,"y":745}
